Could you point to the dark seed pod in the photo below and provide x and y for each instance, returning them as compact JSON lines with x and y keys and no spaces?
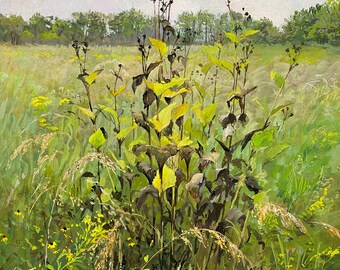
{"x":243,"y":118}
{"x":226,"y":120}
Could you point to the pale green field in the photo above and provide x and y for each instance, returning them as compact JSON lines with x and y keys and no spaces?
{"x":34,"y":160}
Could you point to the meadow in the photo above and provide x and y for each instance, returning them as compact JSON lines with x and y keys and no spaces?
{"x":161,"y":176}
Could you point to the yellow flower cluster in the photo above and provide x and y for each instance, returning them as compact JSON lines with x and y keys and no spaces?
{"x":319,"y":204}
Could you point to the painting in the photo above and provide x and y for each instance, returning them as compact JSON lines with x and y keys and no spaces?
{"x":169,"y":134}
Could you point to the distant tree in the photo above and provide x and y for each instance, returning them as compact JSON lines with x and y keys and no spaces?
{"x":221,"y":25}
{"x":187,"y":24}
{"x":268,"y":33}
{"x":327,"y":27}
{"x":39,"y":25}
{"x":127,"y":25}
{"x":13,"y":28}
{"x":91,"y":26}
{"x":205,"y":25}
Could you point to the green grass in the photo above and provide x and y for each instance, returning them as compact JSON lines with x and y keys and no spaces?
{"x":35,"y":160}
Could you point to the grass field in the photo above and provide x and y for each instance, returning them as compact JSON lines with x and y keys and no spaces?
{"x":52,"y":214}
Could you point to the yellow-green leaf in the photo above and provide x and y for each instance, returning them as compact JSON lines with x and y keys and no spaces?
{"x":227,"y":65}
{"x":185,"y":142}
{"x":125,"y":132}
{"x":168,"y":181}
{"x":160,"y":88}
{"x":109,"y":110}
{"x":232,"y":37}
{"x":97,"y":139}
{"x":91,"y":78}
{"x":277,"y":78}
{"x":179,"y":111}
{"x":160,"y":46}
{"x":170,"y":94}
{"x":206,"y":115}
{"x":120,"y":90}
{"x":106,"y":195}
{"x":164,"y":118}
{"x":250,"y":32}
{"x":87,"y":112}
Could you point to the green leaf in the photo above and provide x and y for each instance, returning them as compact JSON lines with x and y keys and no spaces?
{"x":205,"y":68}
{"x":91,"y":78}
{"x":277,"y":78}
{"x":125,"y":132}
{"x":160,"y":46}
{"x":168,"y":181}
{"x":279,"y":108}
{"x":218,"y":45}
{"x":97,"y":139}
{"x":87,"y":112}
{"x":110,"y":111}
{"x":250,"y":32}
{"x":206,"y":115}
{"x":276,"y":150}
{"x":179,"y":111}
{"x":106,"y":195}
{"x":227,"y":65}
{"x":232,"y":37}
{"x":263,"y":138}
{"x":200,"y":89}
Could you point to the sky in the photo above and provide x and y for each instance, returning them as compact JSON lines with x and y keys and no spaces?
{"x":275,"y":10}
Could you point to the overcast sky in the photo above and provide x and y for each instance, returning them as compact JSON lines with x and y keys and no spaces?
{"x":276,"y":10}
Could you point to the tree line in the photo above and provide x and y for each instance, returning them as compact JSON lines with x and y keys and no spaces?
{"x":317,"y":24}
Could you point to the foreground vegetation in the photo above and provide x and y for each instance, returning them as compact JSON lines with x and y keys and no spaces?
{"x":114,"y":170}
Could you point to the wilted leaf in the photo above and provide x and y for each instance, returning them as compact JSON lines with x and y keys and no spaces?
{"x":252,"y":184}
{"x":195,"y":185}
{"x":144,"y":192}
{"x":137,"y":81}
{"x":148,"y":98}
{"x":141,"y":120}
{"x":152,"y":66}
{"x":147,"y":171}
{"x":88,"y":174}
